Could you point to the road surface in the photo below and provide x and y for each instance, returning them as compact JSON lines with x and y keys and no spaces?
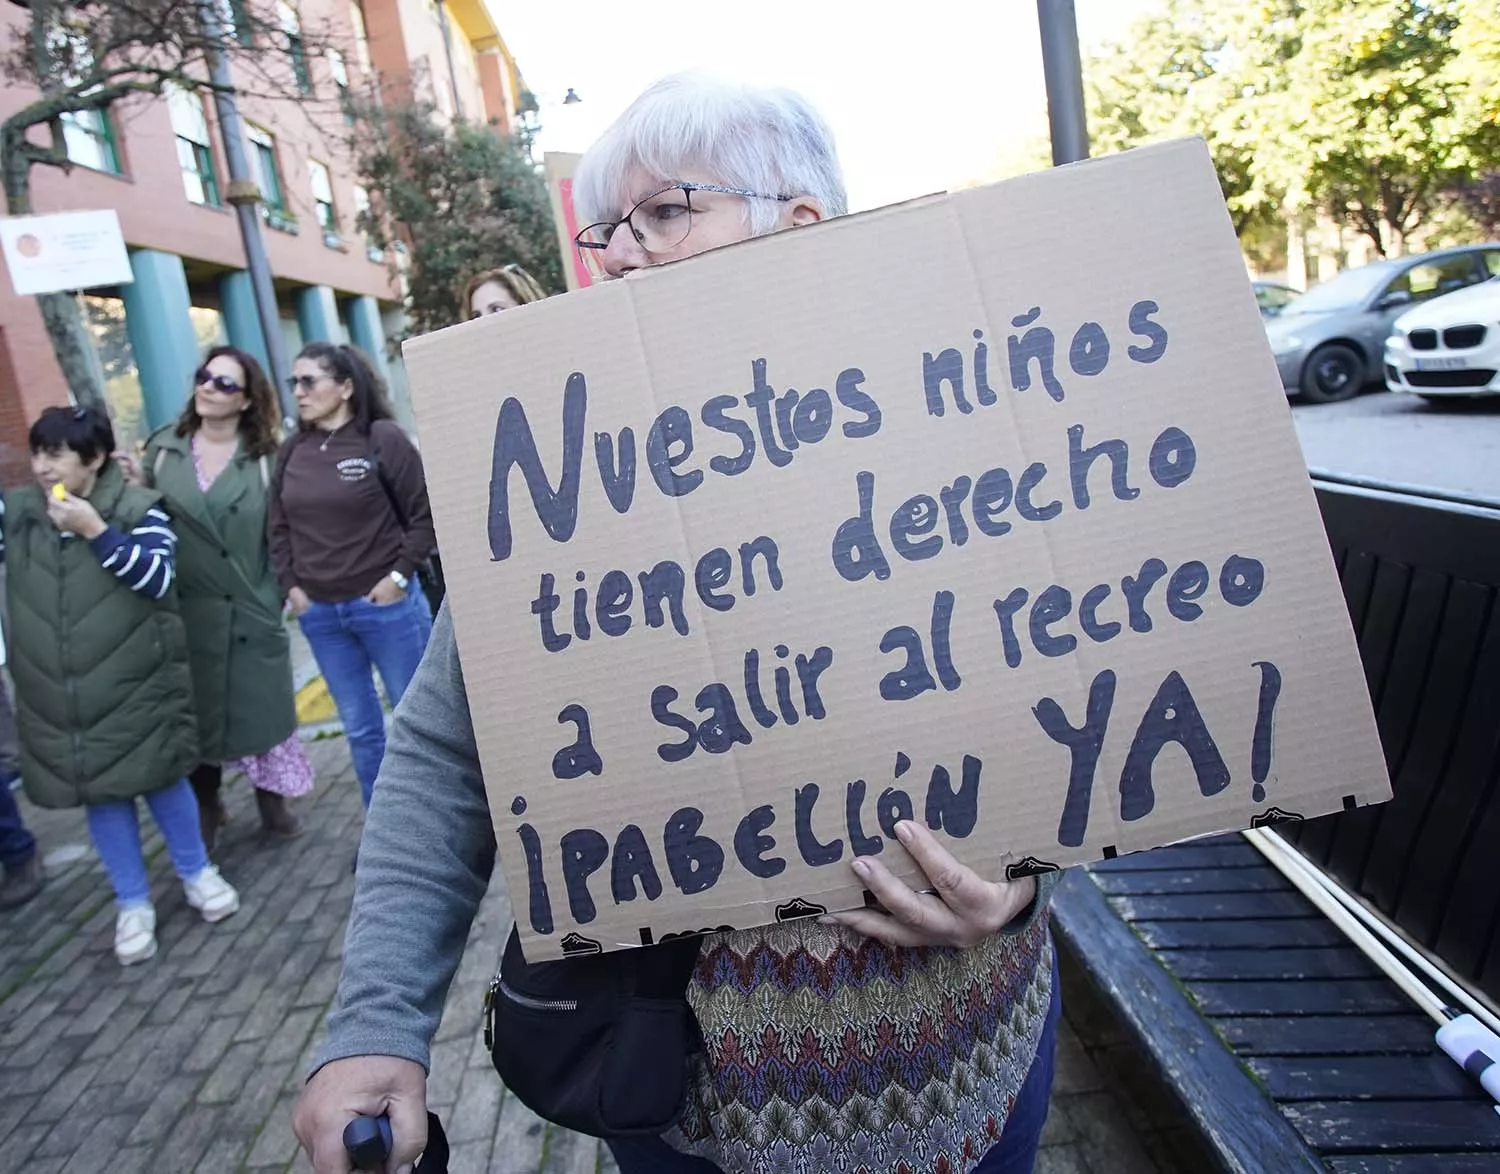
{"x":1453,"y":446}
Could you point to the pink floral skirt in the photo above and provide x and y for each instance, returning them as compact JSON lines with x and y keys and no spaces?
{"x":282,"y":770}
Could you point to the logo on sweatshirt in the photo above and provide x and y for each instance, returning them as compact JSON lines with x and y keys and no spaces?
{"x":353,"y":469}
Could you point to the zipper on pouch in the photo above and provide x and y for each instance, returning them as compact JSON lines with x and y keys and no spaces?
{"x":527,"y":1001}
{"x":498,"y":987}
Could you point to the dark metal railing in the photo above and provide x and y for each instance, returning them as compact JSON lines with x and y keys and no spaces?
{"x":1420,"y":570}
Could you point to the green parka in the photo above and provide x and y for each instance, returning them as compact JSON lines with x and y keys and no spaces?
{"x":104,"y":697}
{"x":231,"y":603}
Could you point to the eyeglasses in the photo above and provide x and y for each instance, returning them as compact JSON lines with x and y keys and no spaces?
{"x":224,"y":385}
{"x":660,"y":222}
{"x":305,"y":382}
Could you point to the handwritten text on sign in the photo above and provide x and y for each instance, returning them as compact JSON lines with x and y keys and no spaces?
{"x":979,"y":530}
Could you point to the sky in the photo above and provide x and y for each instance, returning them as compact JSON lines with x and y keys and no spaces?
{"x":922,"y":97}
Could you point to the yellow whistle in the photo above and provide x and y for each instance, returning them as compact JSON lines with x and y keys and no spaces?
{"x":59,"y":492}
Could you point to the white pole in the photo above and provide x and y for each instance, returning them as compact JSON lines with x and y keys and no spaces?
{"x":1368,"y":944}
{"x":1284,"y":858}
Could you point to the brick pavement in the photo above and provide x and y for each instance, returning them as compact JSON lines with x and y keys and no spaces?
{"x":191,"y":1062}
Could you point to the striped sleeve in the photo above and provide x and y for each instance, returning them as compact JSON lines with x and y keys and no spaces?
{"x":145,"y":559}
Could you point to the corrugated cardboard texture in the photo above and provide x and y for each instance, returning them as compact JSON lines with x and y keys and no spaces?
{"x":1179,"y":583}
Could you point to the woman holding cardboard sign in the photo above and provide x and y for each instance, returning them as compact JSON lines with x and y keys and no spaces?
{"x":918,"y":1034}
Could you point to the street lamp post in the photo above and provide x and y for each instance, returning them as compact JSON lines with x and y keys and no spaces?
{"x":244,"y":193}
{"x":1063,"y":70}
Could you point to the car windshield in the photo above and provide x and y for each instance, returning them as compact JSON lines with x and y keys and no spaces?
{"x":1347,"y":289}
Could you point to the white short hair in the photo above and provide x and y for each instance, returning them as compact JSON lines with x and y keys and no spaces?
{"x":761,"y":139}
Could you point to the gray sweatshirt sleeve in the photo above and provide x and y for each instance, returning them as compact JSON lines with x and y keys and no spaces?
{"x":424,"y":865}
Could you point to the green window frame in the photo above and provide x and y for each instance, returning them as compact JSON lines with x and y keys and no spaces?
{"x":273,"y":208}
{"x":236,"y":16}
{"x":340,"y":74}
{"x":89,"y":139}
{"x":321,"y":183}
{"x":194,"y":147}
{"x":291,"y":28}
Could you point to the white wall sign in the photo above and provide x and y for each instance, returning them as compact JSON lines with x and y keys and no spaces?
{"x":64,"y":250}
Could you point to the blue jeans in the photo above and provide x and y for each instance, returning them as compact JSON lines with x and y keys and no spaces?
{"x":1014,"y":1153}
{"x":16,"y":843}
{"x":116,"y":831}
{"x":348,"y":639}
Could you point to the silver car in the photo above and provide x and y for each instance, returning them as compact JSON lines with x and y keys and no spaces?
{"x":1329,"y":342}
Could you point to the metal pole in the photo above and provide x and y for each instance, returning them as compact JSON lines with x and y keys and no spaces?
{"x":245,"y":195}
{"x":1063,"y":69}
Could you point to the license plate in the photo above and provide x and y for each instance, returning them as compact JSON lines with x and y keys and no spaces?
{"x":1441,"y":364}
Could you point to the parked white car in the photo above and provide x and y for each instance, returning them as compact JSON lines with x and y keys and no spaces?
{"x":1448,"y":347}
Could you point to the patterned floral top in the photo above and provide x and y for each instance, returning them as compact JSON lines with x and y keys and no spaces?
{"x":827,"y":1051}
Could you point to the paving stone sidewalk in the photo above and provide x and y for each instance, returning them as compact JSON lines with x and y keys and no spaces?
{"x":191,"y":1062}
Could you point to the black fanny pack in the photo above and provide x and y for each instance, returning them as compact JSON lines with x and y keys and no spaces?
{"x":601,"y":1044}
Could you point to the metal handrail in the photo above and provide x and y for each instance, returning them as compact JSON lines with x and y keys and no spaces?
{"x":1401,"y":489}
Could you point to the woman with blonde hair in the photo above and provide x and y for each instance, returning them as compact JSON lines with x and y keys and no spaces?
{"x":500,"y":289}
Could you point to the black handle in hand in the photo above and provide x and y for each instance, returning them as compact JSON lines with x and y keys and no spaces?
{"x":367,"y":1141}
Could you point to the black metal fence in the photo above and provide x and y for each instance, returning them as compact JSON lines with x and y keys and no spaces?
{"x":1421,"y":575}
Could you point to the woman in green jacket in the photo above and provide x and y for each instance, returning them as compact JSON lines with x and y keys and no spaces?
{"x":214,"y":466}
{"x":104,"y":694}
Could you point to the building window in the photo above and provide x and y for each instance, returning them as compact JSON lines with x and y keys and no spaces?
{"x":365,"y":222}
{"x":340,"y":74}
{"x":322,"y":191}
{"x":194,"y":148}
{"x":90,"y":140}
{"x":236,"y":21}
{"x":291,"y":28}
{"x":361,"y":38}
{"x":268,"y":178}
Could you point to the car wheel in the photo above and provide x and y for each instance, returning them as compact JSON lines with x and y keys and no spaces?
{"x":1331,"y":373}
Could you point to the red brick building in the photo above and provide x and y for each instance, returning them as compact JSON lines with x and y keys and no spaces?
{"x":159,"y":163}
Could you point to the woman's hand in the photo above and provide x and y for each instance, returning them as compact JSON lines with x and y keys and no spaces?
{"x":297,"y":600}
{"x":964,"y":911}
{"x":385,"y":593}
{"x":130,"y":468}
{"x":76,"y":515}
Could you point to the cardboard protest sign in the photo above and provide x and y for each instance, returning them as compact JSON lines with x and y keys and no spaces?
{"x":985,"y":511}
{"x":558,"y":167}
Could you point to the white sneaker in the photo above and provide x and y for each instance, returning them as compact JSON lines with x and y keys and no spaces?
{"x":211,"y":895}
{"x":135,"y":934}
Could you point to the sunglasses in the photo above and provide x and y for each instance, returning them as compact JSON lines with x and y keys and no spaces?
{"x":222,"y":384}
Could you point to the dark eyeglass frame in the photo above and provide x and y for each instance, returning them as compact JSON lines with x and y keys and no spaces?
{"x":687,"y":188}
{"x":307,"y":381}
{"x":222,"y":384}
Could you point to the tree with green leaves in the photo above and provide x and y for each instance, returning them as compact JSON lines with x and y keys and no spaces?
{"x":81,"y":58}
{"x":1368,"y":124}
{"x":1474,"y":75}
{"x":461,"y":197}
{"x":1374,"y":111}
{"x":1190,"y":67}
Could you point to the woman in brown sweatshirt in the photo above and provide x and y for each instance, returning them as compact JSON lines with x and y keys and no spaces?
{"x":350,"y":525}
